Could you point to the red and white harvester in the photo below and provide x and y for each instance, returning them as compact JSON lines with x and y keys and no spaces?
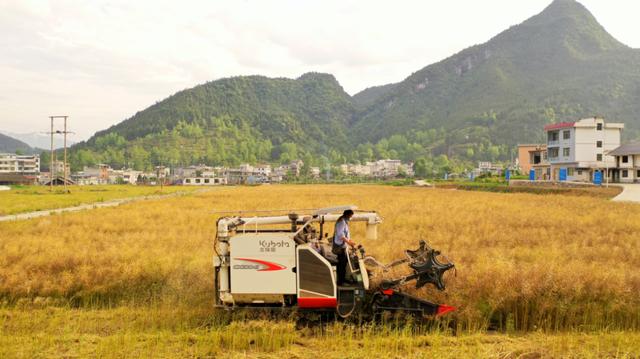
{"x":285,"y":261}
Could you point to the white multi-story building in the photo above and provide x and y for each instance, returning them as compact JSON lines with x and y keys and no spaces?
{"x":130,"y":176}
{"x":357,"y":169}
{"x":315,"y":172}
{"x":379,"y":169}
{"x":11,"y":163}
{"x":248,"y":174}
{"x":204,"y":181}
{"x":578,"y":149}
{"x":263,"y":169}
{"x":21,"y":169}
{"x":291,"y":169}
{"x":385,"y":168}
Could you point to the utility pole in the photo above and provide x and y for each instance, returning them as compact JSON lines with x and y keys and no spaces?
{"x":604,"y":152}
{"x":52,"y":160}
{"x":606,"y":166}
{"x":65,"y":155}
{"x":159,"y":176}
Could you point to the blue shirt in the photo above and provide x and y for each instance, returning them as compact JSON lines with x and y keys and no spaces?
{"x":342,"y":230}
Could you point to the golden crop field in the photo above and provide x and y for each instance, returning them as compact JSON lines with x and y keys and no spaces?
{"x":37,"y":198}
{"x":550,"y":275}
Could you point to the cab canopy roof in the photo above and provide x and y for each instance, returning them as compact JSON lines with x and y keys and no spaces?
{"x":329,"y":210}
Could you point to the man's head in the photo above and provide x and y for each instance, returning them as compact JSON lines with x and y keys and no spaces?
{"x":347,"y":214}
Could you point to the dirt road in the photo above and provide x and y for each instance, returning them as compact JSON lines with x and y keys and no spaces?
{"x":112,"y":203}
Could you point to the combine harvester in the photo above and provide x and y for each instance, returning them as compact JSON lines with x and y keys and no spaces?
{"x":259,"y":264}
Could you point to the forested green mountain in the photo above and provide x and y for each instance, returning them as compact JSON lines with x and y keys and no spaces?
{"x":368,"y":96}
{"x":558,"y":65}
{"x":229,"y":121}
{"x":476,"y":105}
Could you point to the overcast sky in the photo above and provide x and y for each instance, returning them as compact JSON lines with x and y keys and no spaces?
{"x":102,"y":61}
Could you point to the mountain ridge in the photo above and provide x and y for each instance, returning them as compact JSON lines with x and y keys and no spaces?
{"x":536,"y":52}
{"x":9,"y":144}
{"x":474,"y":105}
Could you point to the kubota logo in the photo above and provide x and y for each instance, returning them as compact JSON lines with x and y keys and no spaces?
{"x":260,"y":265}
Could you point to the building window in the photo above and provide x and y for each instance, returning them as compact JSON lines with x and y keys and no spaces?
{"x":599,"y":157}
{"x":625,"y":159}
{"x":599,"y":144}
{"x":570,"y":171}
{"x":206,"y":180}
{"x":566,"y":151}
{"x":197,"y":180}
{"x":553,"y":152}
{"x":566,"y":134}
{"x":599,"y":126}
{"x":579,"y":172}
{"x":638,"y":173}
{"x":552,"y":136}
{"x":536,"y":158}
{"x":625,"y":173}
{"x":188,"y":180}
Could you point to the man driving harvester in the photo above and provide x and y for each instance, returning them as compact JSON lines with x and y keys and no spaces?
{"x":341,"y":238}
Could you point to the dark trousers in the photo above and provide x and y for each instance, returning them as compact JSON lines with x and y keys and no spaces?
{"x":342,"y":267}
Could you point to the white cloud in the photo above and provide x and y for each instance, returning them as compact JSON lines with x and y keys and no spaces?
{"x":102,"y":61}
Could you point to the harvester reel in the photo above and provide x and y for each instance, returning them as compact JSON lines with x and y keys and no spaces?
{"x":426,"y":268}
{"x":431,"y":270}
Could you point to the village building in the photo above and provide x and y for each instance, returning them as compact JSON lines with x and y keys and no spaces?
{"x":486,"y":168}
{"x":533,"y":157}
{"x":351,"y":169}
{"x":19,"y":169}
{"x":315,"y":172}
{"x":627,"y":163}
{"x":84,"y":179}
{"x":93,"y":175}
{"x":290,"y":169}
{"x":12,"y":163}
{"x":576,"y":150}
{"x":379,"y":169}
{"x":263,"y":169}
{"x":248,"y":174}
{"x":385,"y":168}
{"x":59,"y":175}
{"x":131,"y":176}
{"x":59,"y":168}
{"x":204,"y":181}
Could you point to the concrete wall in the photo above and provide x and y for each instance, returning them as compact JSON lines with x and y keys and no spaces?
{"x":579,"y":175}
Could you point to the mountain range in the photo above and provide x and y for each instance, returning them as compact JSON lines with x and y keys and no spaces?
{"x":12,"y":145}
{"x":40,"y":139}
{"x":476,"y":105}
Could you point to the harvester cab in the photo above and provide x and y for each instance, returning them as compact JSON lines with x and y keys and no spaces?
{"x":285,"y":261}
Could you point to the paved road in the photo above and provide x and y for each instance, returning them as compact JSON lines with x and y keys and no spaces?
{"x":630,"y":193}
{"x":112,"y":203}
